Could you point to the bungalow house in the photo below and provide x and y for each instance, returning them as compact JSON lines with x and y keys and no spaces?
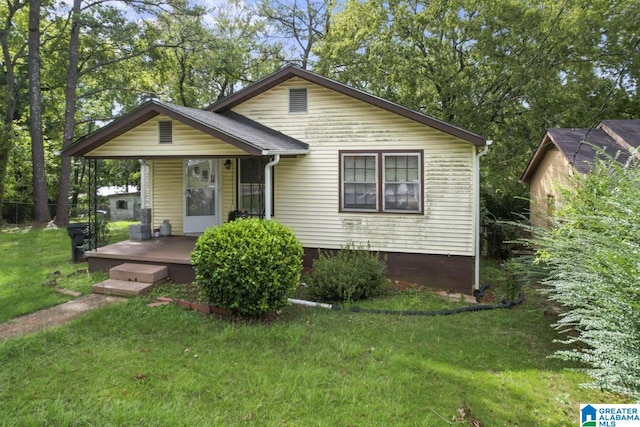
{"x":563,"y":152}
{"x":335,"y":164}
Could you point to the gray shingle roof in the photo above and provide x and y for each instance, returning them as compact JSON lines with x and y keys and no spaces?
{"x":242,"y":128}
{"x":628,"y":130}
{"x":233,"y":128}
{"x":579,"y":146}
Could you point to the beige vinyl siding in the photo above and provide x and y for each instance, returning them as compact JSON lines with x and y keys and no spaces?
{"x":142,"y":141}
{"x":307,"y":187}
{"x":552,"y":172}
{"x":168,"y":194}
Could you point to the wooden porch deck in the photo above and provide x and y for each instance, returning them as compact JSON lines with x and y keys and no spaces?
{"x":174,"y":252}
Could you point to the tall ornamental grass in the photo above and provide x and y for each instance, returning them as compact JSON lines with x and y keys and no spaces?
{"x":593,"y":260}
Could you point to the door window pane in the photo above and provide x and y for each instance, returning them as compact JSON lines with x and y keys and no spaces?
{"x":201,"y":202}
{"x":201,"y":187}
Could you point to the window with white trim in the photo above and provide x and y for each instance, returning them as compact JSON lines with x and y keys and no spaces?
{"x":380,"y":181}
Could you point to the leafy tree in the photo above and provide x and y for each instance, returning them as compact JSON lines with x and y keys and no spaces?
{"x":592,"y":261}
{"x":506,"y":69}
{"x":41,"y":208}
{"x":103,"y":58}
{"x":212,"y":58}
{"x":303,"y":23}
{"x":14,"y":18}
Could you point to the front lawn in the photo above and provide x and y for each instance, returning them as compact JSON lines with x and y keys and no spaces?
{"x":34,"y":262}
{"x":130,"y":364}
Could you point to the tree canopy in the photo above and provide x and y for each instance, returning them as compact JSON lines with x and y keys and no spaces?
{"x":505,"y":69}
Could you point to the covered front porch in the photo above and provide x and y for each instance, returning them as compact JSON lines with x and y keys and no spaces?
{"x":174,"y":252}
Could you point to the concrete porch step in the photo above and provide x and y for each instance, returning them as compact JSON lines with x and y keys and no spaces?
{"x":129,"y":279}
{"x":145,"y":273}
{"x":122,"y":288}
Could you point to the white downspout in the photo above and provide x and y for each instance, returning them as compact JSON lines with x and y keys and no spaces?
{"x":477,"y":228}
{"x":267,"y":185}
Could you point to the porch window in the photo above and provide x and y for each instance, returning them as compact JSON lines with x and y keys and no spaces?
{"x":251,"y":185}
{"x":380,"y":181}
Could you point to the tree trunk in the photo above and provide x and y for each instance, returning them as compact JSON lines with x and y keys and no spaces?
{"x":10,"y":97}
{"x":41,"y":208}
{"x":62,"y":215}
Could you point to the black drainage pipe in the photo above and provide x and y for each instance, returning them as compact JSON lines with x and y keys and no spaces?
{"x":504,"y":304}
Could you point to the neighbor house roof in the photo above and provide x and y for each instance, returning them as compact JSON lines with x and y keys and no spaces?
{"x":291,"y":71}
{"x":625,"y":132}
{"x":581,"y":145}
{"x":229,"y":127}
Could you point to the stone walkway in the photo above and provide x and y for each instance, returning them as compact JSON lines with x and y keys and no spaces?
{"x":54,"y":316}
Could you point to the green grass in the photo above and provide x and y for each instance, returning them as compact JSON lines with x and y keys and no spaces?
{"x":34,"y":261}
{"x":130,"y":364}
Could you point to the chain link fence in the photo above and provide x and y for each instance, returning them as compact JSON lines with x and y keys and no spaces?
{"x":15,"y":212}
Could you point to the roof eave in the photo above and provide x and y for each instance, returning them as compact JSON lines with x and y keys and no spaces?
{"x":142,"y":114}
{"x":296,"y":152}
{"x":536,"y":158}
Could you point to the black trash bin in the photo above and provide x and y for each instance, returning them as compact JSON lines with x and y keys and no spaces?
{"x":78,"y":233}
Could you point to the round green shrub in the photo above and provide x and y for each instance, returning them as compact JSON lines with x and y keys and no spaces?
{"x":248,"y":266}
{"x":353,"y":273}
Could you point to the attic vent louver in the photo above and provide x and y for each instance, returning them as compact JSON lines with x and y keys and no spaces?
{"x":165,"y":132}
{"x":298,"y":100}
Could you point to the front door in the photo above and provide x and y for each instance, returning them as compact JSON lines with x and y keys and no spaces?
{"x":201,"y":195}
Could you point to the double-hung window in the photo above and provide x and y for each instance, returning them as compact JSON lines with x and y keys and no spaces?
{"x":381,"y":181}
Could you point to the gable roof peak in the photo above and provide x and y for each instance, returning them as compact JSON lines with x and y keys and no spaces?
{"x":290,"y":70}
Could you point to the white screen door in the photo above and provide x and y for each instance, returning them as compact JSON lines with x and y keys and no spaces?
{"x":201,"y":198}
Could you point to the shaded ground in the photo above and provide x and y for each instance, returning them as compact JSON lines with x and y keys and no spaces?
{"x":54,"y":316}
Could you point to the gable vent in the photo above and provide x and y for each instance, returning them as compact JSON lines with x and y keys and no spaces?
{"x":165,"y":132}
{"x":298,"y":100}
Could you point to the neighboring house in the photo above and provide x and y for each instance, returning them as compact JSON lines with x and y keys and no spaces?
{"x":562,"y":152}
{"x":124,"y":207}
{"x":335,"y":164}
{"x":123,"y":203}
